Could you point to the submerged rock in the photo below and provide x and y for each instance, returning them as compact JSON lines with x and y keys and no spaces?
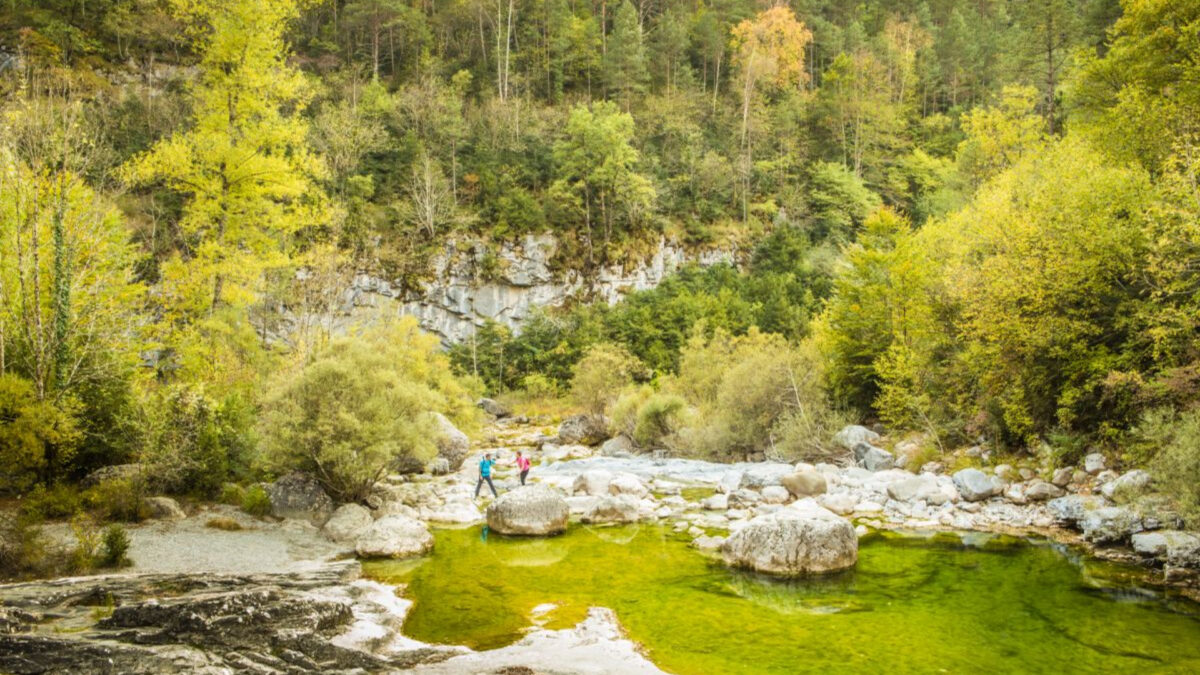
{"x":394,"y":536}
{"x":797,"y":540}
{"x":533,"y":510}
{"x":583,"y":430}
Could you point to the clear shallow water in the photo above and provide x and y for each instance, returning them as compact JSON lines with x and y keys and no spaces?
{"x":913,"y":605}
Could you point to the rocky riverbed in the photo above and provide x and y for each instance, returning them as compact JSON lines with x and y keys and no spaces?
{"x":284,"y":595}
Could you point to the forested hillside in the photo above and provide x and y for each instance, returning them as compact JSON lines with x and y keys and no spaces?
{"x":978,"y":221}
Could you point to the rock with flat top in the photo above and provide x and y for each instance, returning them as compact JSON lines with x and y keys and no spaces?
{"x":530,"y":510}
{"x":794,"y":541}
{"x":394,"y":536}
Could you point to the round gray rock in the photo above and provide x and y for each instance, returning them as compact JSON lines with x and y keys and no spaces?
{"x":532,"y":510}
{"x":299,"y":495}
{"x":805,"y":483}
{"x":974,"y":485}
{"x":797,"y":540}
{"x":348,"y":523}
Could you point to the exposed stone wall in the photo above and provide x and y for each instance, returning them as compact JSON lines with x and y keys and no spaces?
{"x":457,"y":300}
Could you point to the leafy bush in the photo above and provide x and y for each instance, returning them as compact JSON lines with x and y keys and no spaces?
{"x":194,"y":443}
{"x":1176,"y":464}
{"x":256,"y":501}
{"x":22,"y":549}
{"x":232,"y":494}
{"x":114,"y":547}
{"x":37,"y":437}
{"x":361,"y":406}
{"x":57,"y":501}
{"x":87,"y":543}
{"x":649,"y":417}
{"x":600,"y":376}
{"x":121,"y":499}
{"x":754,"y":393}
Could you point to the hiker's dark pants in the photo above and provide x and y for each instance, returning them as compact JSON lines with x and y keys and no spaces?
{"x":489,"y":482}
{"x":523,"y":474}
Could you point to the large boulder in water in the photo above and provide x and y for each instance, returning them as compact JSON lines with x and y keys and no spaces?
{"x":394,"y":536}
{"x":299,"y":495}
{"x":534,"y":510}
{"x":452,"y":444}
{"x":800,"y":539}
{"x":583,"y":430}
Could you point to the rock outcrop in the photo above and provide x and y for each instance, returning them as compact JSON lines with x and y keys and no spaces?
{"x":299,"y":495}
{"x":194,"y":624}
{"x":583,"y":430}
{"x":797,"y":540}
{"x":531,"y":510}
{"x":456,"y":300}
{"x":452,"y":444}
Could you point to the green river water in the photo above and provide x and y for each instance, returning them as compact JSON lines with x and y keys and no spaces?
{"x":913,"y":605}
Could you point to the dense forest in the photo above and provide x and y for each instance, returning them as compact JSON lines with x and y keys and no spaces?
{"x":974,"y":221}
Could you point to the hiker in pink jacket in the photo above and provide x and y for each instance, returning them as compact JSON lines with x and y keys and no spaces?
{"x":522,"y":466}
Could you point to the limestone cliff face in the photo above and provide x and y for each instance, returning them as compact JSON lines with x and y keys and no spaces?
{"x":459,"y":298}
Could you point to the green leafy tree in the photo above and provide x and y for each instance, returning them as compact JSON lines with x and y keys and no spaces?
{"x":597,"y":178}
{"x":600,"y":376}
{"x":878,"y":301}
{"x":625,"y":59}
{"x":243,"y":168}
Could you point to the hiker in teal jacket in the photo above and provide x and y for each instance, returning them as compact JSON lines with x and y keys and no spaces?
{"x":485,"y":473}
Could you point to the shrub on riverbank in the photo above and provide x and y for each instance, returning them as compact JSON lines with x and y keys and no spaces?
{"x":360,"y":407}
